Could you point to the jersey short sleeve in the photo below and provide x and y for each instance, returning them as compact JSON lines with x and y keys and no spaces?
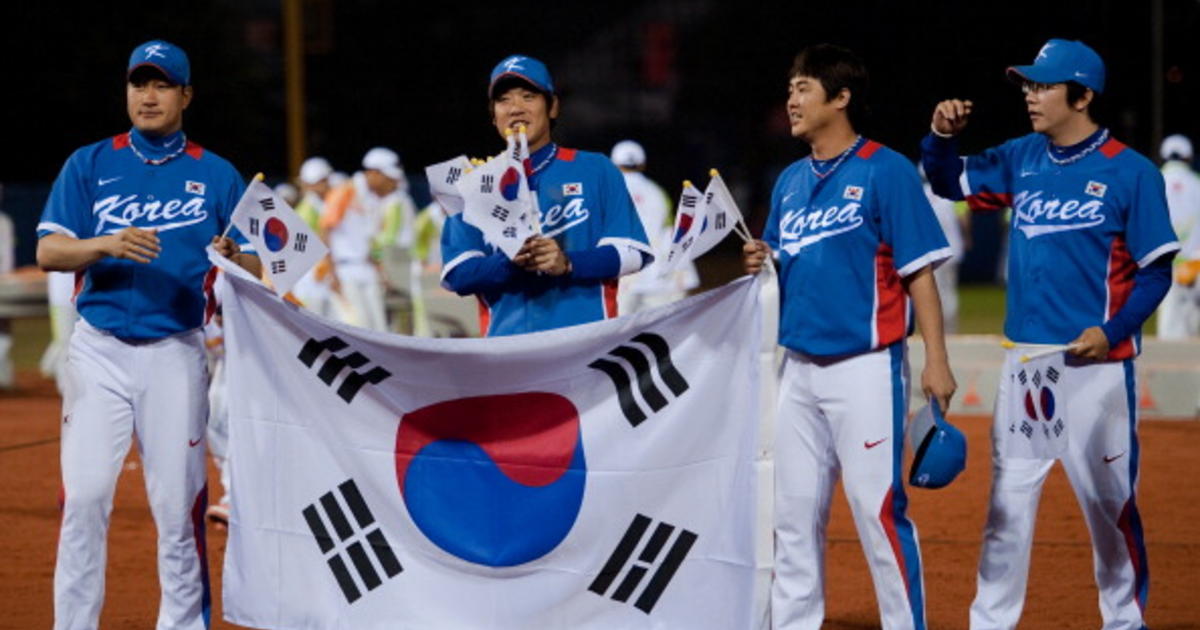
{"x":69,"y":208}
{"x":907,"y":222}
{"x":1148,"y":231}
{"x":987,"y":179}
{"x":622,"y":226}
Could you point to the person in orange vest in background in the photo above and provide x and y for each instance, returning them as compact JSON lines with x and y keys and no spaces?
{"x":360,"y":218}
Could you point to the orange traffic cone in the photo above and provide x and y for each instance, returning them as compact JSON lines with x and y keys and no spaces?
{"x":1145,"y":396}
{"x":972,"y":397}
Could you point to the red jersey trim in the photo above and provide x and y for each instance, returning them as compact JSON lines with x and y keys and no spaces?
{"x":120,"y":141}
{"x":1120,"y":284}
{"x":566,"y":155}
{"x":868,"y":149}
{"x":890,"y":311}
{"x":485,"y":316}
{"x":989,"y":202}
{"x":194,"y":150}
{"x":610,"y":298}
{"x":1111,"y":148}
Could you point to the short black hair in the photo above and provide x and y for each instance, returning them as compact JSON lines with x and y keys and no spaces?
{"x":837,"y":69}
{"x":1076,"y":92}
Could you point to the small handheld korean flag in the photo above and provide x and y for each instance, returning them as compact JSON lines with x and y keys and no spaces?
{"x":687,"y":223}
{"x":496,"y":200}
{"x":285,"y":244}
{"x":721,"y":216}
{"x":443,"y":182}
{"x":1037,"y":423}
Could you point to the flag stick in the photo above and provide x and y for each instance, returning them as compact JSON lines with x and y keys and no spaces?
{"x":257,"y":178}
{"x":1048,"y":350}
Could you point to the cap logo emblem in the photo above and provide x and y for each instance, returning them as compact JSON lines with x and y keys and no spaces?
{"x":155,"y":50}
{"x":1042,"y":54}
{"x":513,"y":63}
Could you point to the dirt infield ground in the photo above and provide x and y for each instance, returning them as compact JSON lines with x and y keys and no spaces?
{"x":1061,"y":591}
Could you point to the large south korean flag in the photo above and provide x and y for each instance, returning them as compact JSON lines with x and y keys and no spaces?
{"x":599,"y":476}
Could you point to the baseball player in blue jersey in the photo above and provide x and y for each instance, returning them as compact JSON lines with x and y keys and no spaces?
{"x":591,"y":233}
{"x":856,"y":243}
{"x":1090,"y":259}
{"x":132,"y":215}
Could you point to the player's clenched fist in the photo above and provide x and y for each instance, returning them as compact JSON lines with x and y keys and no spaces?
{"x":225,"y":246}
{"x":754,"y":254}
{"x":133,"y":244}
{"x":541,"y":254}
{"x":950,"y":116}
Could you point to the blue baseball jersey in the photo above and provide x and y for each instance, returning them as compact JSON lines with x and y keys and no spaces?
{"x":1079,"y":233}
{"x":583,"y":204}
{"x":104,"y":188}
{"x":844,"y":241}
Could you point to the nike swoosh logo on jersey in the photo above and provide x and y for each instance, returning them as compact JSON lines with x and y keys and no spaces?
{"x":193,"y":442}
{"x":1109,"y":460}
{"x":870,"y":445}
{"x":1028,"y":173}
{"x":104,"y":182}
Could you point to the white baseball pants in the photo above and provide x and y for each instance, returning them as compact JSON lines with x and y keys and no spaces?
{"x":1101,"y":464}
{"x":843,"y":417}
{"x":155,"y":390}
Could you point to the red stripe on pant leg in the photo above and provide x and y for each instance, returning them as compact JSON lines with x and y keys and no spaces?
{"x":1131,"y":526}
{"x":889,"y":527}
{"x":200,"y":535}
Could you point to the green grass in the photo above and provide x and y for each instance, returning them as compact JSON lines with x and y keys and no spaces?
{"x":980,"y":309}
{"x":30,"y":337}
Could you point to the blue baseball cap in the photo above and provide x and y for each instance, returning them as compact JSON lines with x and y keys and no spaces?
{"x":940,"y":449}
{"x":525,"y":68}
{"x":1062,"y":60}
{"x":166,"y":57}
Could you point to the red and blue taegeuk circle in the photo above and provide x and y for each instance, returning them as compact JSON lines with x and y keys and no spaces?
{"x":510,"y":184}
{"x":493,"y":480}
{"x":275,"y":234}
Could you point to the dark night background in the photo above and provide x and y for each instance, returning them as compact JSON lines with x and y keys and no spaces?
{"x":700,"y":83}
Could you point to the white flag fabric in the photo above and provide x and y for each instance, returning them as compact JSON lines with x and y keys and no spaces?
{"x":497,"y":200}
{"x":286,"y":245}
{"x":721,"y":214}
{"x":593,"y":477}
{"x":688,"y":218}
{"x":1037,"y":426}
{"x":443,"y":182}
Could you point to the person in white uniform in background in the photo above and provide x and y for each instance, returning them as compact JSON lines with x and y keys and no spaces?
{"x":650,"y":287}
{"x":1179,"y":314}
{"x":316,"y":289}
{"x":954,"y":219}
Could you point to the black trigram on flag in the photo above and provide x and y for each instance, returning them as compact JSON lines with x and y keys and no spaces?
{"x":333,"y":366}
{"x":486,"y":182}
{"x":453,"y":174}
{"x":687,"y":201}
{"x":254,"y":227}
{"x":650,"y":559}
{"x":267,"y":204}
{"x":350,"y":541}
{"x":636,"y":358}
{"x":301,"y":242}
{"x":278,"y":266}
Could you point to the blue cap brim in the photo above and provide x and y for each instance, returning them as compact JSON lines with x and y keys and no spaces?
{"x":147,"y":64}
{"x":1017,"y":74}
{"x":517,"y":75}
